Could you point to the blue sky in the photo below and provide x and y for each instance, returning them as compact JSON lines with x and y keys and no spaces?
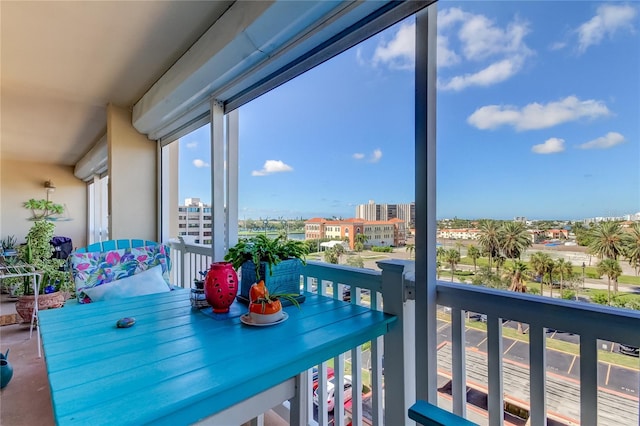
{"x":538,"y":116}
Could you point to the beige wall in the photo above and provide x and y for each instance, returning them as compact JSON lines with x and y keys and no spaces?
{"x":132,"y":179}
{"x":20,"y":181}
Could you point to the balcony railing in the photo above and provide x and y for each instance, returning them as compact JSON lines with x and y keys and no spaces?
{"x":592,"y":404}
{"x":387,"y":366}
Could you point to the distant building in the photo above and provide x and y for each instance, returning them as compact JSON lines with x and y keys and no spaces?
{"x":557,"y":233}
{"x":372,"y":211}
{"x":379,"y":232}
{"x":194,"y":221}
{"x":459,"y":234}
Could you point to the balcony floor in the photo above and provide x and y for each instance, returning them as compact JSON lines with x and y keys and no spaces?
{"x":26,"y":400}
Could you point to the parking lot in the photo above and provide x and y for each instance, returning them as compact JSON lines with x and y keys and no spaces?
{"x":612,"y":377}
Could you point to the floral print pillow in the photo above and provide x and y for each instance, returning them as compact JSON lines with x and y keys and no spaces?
{"x":97,"y":268}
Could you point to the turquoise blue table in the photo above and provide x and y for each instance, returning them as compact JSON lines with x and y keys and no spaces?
{"x":177,"y":365}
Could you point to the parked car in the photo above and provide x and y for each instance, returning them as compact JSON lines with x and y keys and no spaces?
{"x":629,"y":350}
{"x":331,"y":401}
{"x":315,"y":376}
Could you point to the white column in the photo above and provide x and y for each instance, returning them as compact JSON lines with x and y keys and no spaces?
{"x":218,"y":196}
{"x":232,"y":177}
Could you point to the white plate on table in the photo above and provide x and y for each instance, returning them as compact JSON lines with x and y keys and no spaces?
{"x":246,"y":319}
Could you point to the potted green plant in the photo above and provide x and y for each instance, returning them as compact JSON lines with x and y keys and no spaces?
{"x":55,"y":283}
{"x":9,"y":246}
{"x":277,"y":261}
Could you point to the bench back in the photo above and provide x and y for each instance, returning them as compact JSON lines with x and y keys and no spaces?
{"x":114,"y":245}
{"x":116,"y":260}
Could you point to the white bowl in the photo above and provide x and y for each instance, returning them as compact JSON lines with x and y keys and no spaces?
{"x":266,"y":318}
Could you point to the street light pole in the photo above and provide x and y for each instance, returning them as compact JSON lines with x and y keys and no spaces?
{"x":583,"y":266}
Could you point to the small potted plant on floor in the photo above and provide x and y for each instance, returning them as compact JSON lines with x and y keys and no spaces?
{"x":9,"y":246}
{"x":277,"y":261}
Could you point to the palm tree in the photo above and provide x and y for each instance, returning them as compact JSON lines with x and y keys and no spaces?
{"x":611,"y":268}
{"x":440,"y":252}
{"x":452,"y":257}
{"x":540,"y":263}
{"x":459,"y":246}
{"x":474,"y":253}
{"x":359,"y":241}
{"x":410,"y":248}
{"x":500,"y":260}
{"x":514,"y":239}
{"x":607,"y":240}
{"x":564,"y":268}
{"x":488,"y":238}
{"x":632,"y":246}
{"x":516,"y":273}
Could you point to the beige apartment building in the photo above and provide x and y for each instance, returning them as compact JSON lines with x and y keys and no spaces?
{"x":379,"y":232}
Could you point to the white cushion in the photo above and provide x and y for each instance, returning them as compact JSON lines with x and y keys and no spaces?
{"x":146,"y":282}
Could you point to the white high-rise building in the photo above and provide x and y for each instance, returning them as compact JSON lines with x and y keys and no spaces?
{"x":194,"y":221}
{"x":372,"y":211}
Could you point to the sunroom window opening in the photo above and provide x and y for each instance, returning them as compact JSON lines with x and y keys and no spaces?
{"x":317,"y":151}
{"x":186,"y":187}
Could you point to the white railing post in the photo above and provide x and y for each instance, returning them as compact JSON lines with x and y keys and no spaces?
{"x":183,"y":252}
{"x":399,"y":361}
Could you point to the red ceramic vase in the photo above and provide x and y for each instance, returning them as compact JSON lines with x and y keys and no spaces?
{"x":221,"y":286}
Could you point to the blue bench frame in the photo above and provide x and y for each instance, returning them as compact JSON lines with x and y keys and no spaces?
{"x":429,"y":415}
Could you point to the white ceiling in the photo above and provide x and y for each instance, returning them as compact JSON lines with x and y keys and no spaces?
{"x":62,"y":62}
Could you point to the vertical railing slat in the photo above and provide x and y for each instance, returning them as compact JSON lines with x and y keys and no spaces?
{"x":588,"y":380}
{"x":376,"y":368}
{"x":537,"y":376}
{"x":459,"y":375}
{"x":356,"y":382}
{"x":494,"y":367}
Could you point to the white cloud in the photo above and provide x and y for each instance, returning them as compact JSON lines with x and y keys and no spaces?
{"x":192,"y":145}
{"x":481,"y":38}
{"x":558,"y":45}
{"x":374,"y":157}
{"x":493,"y":53}
{"x":609,"y":19}
{"x":609,"y":140}
{"x":399,"y":52}
{"x":200,"y":163}
{"x":448,"y":17}
{"x":535,"y":115}
{"x":502,"y":51}
{"x":494,"y":73}
{"x":550,"y":146}
{"x":446,"y":57}
{"x":272,"y":166}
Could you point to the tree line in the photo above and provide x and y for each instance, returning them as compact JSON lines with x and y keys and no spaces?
{"x":502,"y":241}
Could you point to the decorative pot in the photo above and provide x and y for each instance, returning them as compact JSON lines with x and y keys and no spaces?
{"x":6,"y":370}
{"x":26,"y":304}
{"x":266,"y":312}
{"x":221,"y":286}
